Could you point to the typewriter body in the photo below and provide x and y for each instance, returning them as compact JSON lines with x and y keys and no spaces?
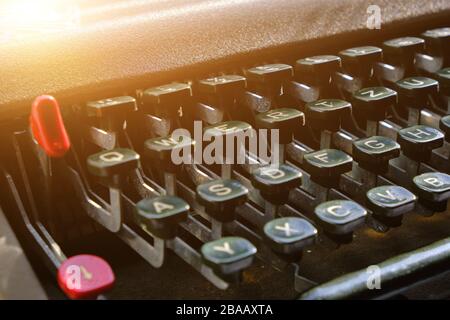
{"x":111,"y":187}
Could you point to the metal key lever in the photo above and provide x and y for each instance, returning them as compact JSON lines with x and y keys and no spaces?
{"x":108,"y":215}
{"x":101,"y":212}
{"x":400,"y":267}
{"x":55,"y":257}
{"x":159,"y":217}
{"x":246,"y":211}
{"x":144,"y":186}
{"x":43,"y":239}
{"x":193,"y":258}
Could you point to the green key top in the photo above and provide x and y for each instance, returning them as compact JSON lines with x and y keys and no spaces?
{"x":227,"y":128}
{"x":402,"y":50}
{"x":289,"y":235}
{"x":390,"y":201}
{"x":438,"y":42}
{"x":113,"y":162}
{"x":221,"y":197}
{"x":286,"y":120}
{"x":444,"y":125}
{"x":433,"y":189}
{"x":270,"y":73}
{"x":160,"y":216}
{"x":163,"y":149}
{"x":117,"y":106}
{"x":325,"y":166}
{"x":374,"y":153}
{"x":275,"y":182}
{"x":327,"y":114}
{"x":166,"y":100}
{"x":222,"y":85}
{"x":111,"y":113}
{"x":340,"y":217}
{"x":166,"y":94}
{"x":417,"y":142}
{"x":359,"y":61}
{"x":228,"y":255}
{"x":415,"y":91}
{"x":374,"y":102}
{"x":319,"y":69}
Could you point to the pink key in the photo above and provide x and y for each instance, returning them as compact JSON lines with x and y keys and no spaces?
{"x":85,"y":276}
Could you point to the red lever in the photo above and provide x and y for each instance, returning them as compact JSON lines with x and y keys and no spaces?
{"x":48,"y":127}
{"x":85,"y":276}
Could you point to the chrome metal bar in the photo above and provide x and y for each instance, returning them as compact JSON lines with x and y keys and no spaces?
{"x":193,"y":258}
{"x":371,"y":128}
{"x":170,"y":183}
{"x":325,"y":139}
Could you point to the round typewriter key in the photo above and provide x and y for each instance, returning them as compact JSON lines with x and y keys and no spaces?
{"x":161,"y":215}
{"x":415,"y":91}
{"x":417,"y":142}
{"x":222,"y":85}
{"x":111,"y":107}
{"x":390,"y":201}
{"x":359,"y":61}
{"x":229,"y":255}
{"x":275,"y":182}
{"x":374,"y":153}
{"x":340,"y":216}
{"x":167,"y":94}
{"x":374,"y":102}
{"x":162,"y":149}
{"x":317,"y":69}
{"x":327,"y":114}
{"x":236,"y":131}
{"x":270,"y":73}
{"x":401,"y":51}
{"x":85,"y":276}
{"x":289,"y":235}
{"x":433,"y":189}
{"x":437,"y":42}
{"x":166,"y":100}
{"x":221,"y":197}
{"x":325,"y":166}
{"x":112,"y":162}
{"x":286,"y":120}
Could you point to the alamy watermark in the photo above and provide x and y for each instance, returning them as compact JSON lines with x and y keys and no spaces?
{"x":373,"y":277}
{"x":225,"y":144}
{"x":374,"y":18}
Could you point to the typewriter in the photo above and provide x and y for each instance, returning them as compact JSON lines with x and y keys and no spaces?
{"x":228,"y":150}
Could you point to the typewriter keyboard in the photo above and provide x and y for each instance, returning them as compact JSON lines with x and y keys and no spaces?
{"x":282,"y":179}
